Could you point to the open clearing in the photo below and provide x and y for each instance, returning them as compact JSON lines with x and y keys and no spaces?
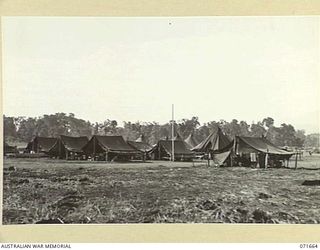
{"x":158,"y":192}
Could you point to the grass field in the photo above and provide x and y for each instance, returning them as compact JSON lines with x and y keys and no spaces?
{"x":158,"y":192}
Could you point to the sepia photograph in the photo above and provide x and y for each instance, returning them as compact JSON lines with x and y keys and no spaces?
{"x":126,"y":120}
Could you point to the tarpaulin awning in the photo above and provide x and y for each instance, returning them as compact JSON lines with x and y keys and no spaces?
{"x":261,"y":144}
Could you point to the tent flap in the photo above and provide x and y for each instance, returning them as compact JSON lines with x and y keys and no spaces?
{"x":190,"y":141}
{"x":220,"y":158}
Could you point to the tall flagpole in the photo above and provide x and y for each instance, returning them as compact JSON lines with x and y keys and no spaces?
{"x":172,"y":133}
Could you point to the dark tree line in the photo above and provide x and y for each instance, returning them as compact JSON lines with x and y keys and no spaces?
{"x":23,"y":129}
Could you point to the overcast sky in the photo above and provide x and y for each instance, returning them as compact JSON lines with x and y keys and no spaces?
{"x":133,"y":69}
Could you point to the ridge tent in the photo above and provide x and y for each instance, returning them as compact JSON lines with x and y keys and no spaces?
{"x":41,"y":144}
{"x":140,"y":144}
{"x":109,"y":148}
{"x":7,"y":149}
{"x":259,"y":150}
{"x":216,"y":141}
{"x":142,"y":147}
{"x":163,"y":151}
{"x":69,"y":147}
{"x":190,"y":141}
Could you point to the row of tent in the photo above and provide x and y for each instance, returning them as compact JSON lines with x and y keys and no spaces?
{"x":107,"y":148}
{"x":69,"y":147}
{"x":217,"y":146}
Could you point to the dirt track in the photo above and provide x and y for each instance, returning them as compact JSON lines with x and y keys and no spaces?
{"x":158,"y":192}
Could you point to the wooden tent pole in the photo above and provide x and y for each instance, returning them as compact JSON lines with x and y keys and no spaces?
{"x":94,"y":147}
{"x":233,"y":153}
{"x":33,"y":146}
{"x":59,"y":146}
{"x":159,"y":152}
{"x":36,"y":146}
{"x":266,"y":159}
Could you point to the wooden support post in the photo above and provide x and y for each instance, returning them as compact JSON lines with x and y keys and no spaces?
{"x":144,"y":156}
{"x":67,"y":154}
{"x":296,"y":162}
{"x":59,"y":146}
{"x":233,"y":152}
{"x":36,"y":146}
{"x":159,"y":152}
{"x":107,"y":156}
{"x":94,"y":148}
{"x":266,"y":160}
